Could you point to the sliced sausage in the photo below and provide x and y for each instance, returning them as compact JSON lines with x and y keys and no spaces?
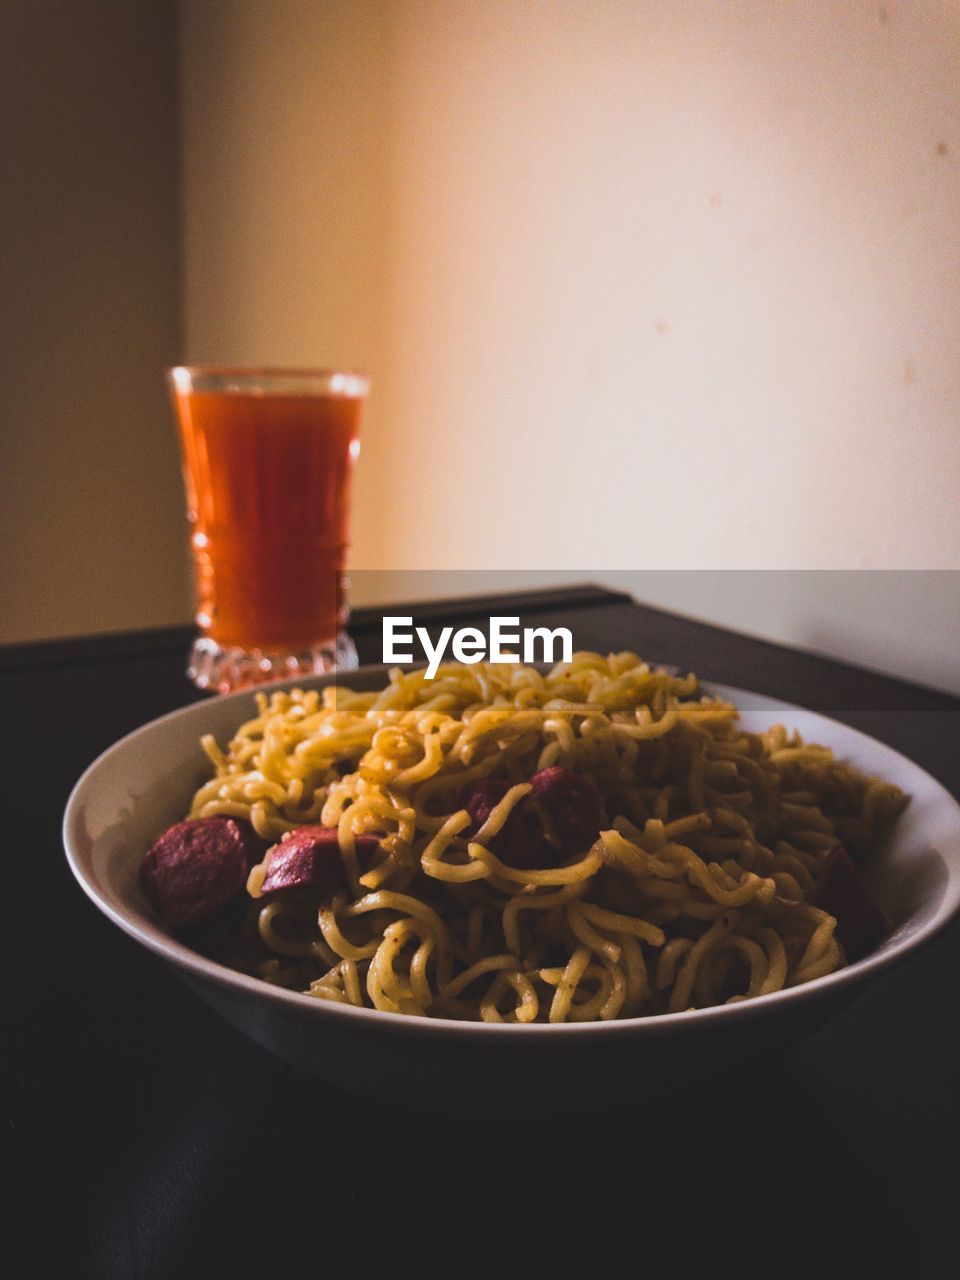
{"x":860,"y":922}
{"x":309,"y":857}
{"x":573,"y":805}
{"x":481,"y":797}
{"x":519,"y":842}
{"x":197,"y":867}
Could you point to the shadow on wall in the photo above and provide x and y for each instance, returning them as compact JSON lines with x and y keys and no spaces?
{"x":92,"y":534}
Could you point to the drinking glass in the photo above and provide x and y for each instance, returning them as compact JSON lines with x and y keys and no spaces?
{"x":267,"y":460}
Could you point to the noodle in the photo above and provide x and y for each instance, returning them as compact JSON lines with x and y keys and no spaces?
{"x":697,"y":891}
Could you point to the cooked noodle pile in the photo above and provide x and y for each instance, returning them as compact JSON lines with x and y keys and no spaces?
{"x":696,"y":893}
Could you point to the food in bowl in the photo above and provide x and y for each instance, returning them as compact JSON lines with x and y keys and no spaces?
{"x":598,"y":841}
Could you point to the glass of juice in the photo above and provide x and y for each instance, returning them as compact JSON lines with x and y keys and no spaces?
{"x":268,"y":456}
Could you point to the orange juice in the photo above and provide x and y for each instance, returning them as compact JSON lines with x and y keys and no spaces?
{"x":268,"y":488}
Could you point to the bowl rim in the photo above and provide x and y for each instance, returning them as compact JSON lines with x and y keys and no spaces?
{"x":197,"y":967}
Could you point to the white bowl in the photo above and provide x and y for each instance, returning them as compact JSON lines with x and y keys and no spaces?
{"x":144,"y":783}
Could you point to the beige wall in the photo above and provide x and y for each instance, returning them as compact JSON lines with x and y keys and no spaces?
{"x":688,"y":279}
{"x":640,"y":283}
{"x":91,"y":517}
{"x":699,"y":258}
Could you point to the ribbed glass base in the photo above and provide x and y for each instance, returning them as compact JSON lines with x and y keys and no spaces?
{"x":224,"y":669}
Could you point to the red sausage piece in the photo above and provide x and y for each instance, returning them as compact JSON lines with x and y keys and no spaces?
{"x":197,"y":867}
{"x":309,"y":857}
{"x":519,"y":842}
{"x":860,"y":922}
{"x":573,"y":803}
{"x":482,"y":796}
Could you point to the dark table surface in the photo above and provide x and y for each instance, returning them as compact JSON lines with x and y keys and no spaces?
{"x":150,"y":1139}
